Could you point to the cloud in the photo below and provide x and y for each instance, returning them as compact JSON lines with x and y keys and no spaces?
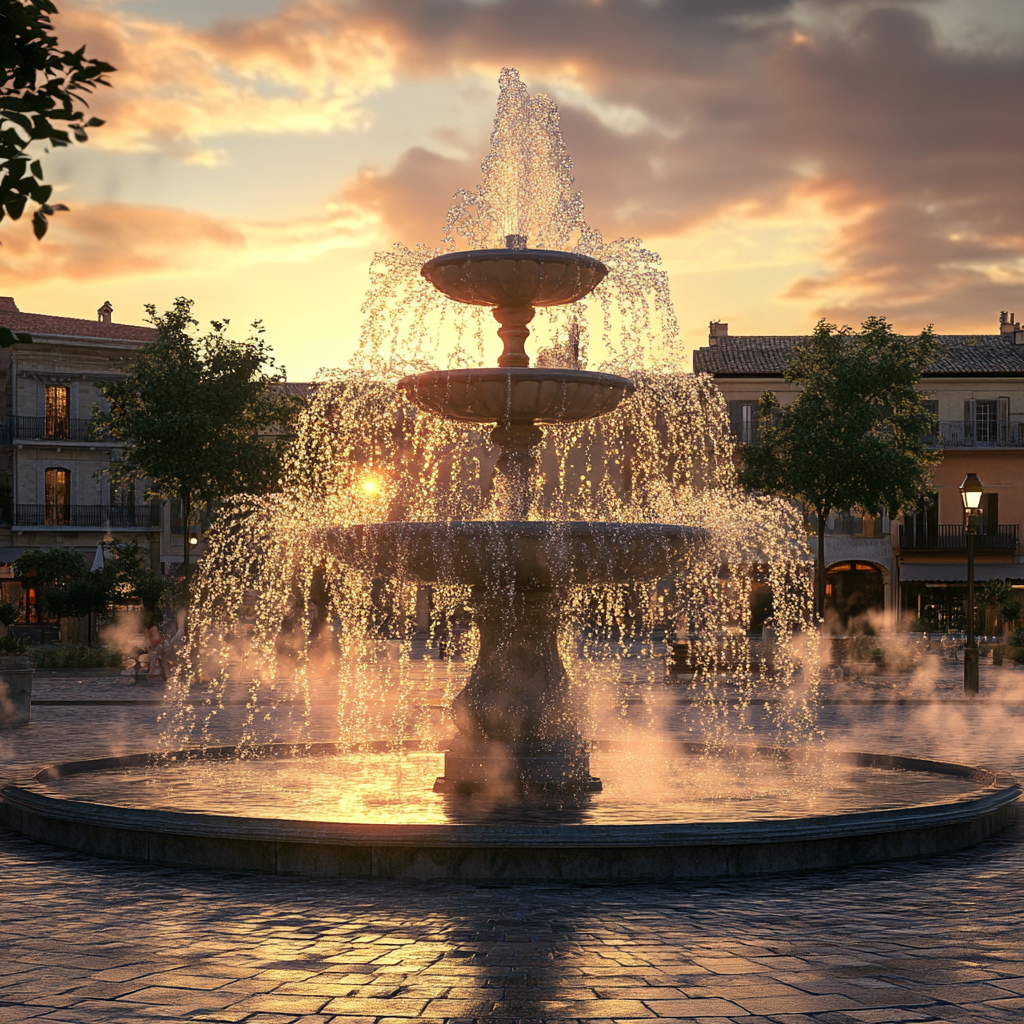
{"x":109,"y":240}
{"x":678,"y":114}
{"x":303,"y":70}
{"x":410,"y":201}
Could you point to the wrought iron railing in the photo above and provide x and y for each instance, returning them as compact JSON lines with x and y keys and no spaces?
{"x":48,"y":428}
{"x":85,"y":517}
{"x":954,"y":538}
{"x":965,"y":434}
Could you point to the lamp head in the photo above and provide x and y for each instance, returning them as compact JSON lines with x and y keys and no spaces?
{"x":971,"y":491}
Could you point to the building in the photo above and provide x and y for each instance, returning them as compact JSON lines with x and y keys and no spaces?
{"x":914,"y":568}
{"x":54,"y":490}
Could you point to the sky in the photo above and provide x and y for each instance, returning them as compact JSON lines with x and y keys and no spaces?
{"x":789,"y":159}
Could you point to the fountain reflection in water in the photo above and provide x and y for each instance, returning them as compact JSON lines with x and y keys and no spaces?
{"x":556,"y":505}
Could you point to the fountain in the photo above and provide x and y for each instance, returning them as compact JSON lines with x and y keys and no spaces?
{"x":553,"y":502}
{"x":519,"y":726}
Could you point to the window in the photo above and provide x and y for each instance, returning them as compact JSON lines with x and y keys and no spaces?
{"x":933,"y":410}
{"x":989,"y":525}
{"x":987,"y":421}
{"x":122,"y":504}
{"x":123,"y":495}
{"x":922,"y":526}
{"x":58,"y":415}
{"x":743,"y":417}
{"x":58,"y":497}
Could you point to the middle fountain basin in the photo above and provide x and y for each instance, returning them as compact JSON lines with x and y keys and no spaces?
{"x":517,"y":394}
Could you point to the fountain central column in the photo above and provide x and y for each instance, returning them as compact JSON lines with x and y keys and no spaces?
{"x":516,"y":467}
{"x":520,"y":726}
{"x":518,"y":716}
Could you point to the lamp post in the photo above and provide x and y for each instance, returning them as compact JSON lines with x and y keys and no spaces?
{"x":971,"y":491}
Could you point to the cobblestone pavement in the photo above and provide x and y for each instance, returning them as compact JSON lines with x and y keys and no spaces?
{"x":90,"y":940}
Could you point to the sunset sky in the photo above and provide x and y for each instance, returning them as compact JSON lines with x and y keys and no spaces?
{"x":789,"y":160}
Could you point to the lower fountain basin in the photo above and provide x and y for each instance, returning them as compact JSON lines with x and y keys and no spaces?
{"x":351,"y":815}
{"x":531,"y":555}
{"x":516,"y":394}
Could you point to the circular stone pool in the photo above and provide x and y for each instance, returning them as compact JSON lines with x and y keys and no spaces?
{"x":668,"y":811}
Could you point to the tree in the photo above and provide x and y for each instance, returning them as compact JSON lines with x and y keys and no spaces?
{"x":855,"y":435}
{"x":134,"y":582}
{"x":42,"y":89}
{"x":39,"y":102}
{"x":64,"y":585}
{"x":195,"y":414}
{"x":998,"y":595}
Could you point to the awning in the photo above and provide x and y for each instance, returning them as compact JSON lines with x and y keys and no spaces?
{"x":8,"y":555}
{"x":957,"y":572}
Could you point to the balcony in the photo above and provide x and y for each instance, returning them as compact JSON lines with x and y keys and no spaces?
{"x":964,"y":434}
{"x":43,"y":428}
{"x":954,"y":538}
{"x":89,"y":517}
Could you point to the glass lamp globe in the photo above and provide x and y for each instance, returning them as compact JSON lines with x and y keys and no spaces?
{"x":971,"y":490}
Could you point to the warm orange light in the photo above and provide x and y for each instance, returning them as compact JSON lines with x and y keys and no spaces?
{"x":371,"y":485}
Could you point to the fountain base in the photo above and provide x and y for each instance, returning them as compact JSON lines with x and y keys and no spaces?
{"x":949,"y":807}
{"x":503,"y":771}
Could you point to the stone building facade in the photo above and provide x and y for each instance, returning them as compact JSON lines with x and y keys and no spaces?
{"x":917,"y":564}
{"x":54,"y":489}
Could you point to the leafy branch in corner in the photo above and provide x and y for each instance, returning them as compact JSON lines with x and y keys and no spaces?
{"x":41,"y":100}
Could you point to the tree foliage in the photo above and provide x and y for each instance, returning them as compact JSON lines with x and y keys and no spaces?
{"x":43,"y":91}
{"x":199,"y":416}
{"x":855,"y":435}
{"x":64,"y":585}
{"x":67,"y":587}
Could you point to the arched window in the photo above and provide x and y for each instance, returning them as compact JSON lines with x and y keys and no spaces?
{"x":58,"y":497}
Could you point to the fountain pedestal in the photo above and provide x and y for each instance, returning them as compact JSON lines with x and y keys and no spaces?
{"x":518,"y":717}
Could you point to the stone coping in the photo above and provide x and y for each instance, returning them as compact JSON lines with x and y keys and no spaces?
{"x":507,"y":852}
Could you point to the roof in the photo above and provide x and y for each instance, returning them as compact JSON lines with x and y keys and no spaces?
{"x":764,"y":355}
{"x":296,"y":389}
{"x":68,"y":326}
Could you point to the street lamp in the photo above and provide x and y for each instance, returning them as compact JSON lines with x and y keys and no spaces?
{"x":971,"y":490}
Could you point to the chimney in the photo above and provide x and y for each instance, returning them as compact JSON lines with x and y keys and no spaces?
{"x":1008,"y":325}
{"x":105,"y":312}
{"x":8,"y":305}
{"x":717,"y":330}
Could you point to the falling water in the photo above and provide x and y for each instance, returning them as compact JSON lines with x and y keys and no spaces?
{"x":283,"y":605}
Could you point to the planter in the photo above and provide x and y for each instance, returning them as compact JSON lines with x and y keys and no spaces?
{"x":15,"y":691}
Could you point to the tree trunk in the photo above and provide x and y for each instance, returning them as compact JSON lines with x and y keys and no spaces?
{"x":819,"y":569}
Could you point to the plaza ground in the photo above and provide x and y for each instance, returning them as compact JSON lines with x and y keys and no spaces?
{"x":90,"y":940}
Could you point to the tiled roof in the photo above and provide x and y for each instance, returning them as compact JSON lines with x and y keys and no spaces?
{"x":296,"y":389}
{"x":68,"y":326}
{"x":749,"y":355}
{"x":754,"y":355}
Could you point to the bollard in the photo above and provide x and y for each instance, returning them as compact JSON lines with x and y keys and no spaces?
{"x":15,"y":691}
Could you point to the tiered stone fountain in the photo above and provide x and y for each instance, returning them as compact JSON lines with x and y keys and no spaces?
{"x":519,"y":719}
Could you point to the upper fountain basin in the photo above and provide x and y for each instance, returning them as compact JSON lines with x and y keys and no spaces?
{"x":517,"y":394}
{"x":526,"y":555}
{"x":514,"y":277}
